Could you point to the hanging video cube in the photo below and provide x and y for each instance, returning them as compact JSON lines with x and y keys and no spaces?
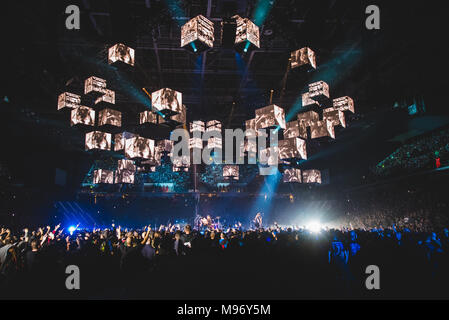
{"x":270,"y":116}
{"x":68,"y":100}
{"x":110,"y":118}
{"x":119,"y":53}
{"x":103,"y":176}
{"x":197,"y":34}
{"x":319,"y":91}
{"x":343,"y":104}
{"x":95,"y":87}
{"x":303,"y":58}
{"x":247,"y":34}
{"x":167,"y":101}
{"x":82,"y":115}
{"x":231,"y":172}
{"x":292,"y":175}
{"x":97,"y":140}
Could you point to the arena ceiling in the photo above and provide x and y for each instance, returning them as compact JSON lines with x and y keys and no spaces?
{"x":376,"y":68}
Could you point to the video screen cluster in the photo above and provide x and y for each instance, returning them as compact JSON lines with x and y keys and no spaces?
{"x":167,"y":108}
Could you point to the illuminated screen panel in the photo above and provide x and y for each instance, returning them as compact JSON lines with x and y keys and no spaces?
{"x":139,"y":147}
{"x":120,"y":52}
{"x":214,"y":142}
{"x":68,"y":100}
{"x":270,"y":116}
{"x":231,"y":171}
{"x":308,"y":118}
{"x":343,"y":104}
{"x":103,"y":176}
{"x":292,"y":175}
{"x":250,"y":128}
{"x":197,"y":126}
{"x":318,"y":90}
{"x":108,"y":97}
{"x":82,"y":115}
{"x":128,"y":165}
{"x":301,"y":57}
{"x":98,"y":140}
{"x":110,"y":117}
{"x":213,"y":125}
{"x":311,"y":176}
{"x":167,"y":99}
{"x":205,"y":31}
{"x":189,"y":32}
{"x":302,"y":130}
{"x":96,"y":85}
{"x":147,"y":117}
{"x":302,"y":148}
{"x":120,"y":138}
{"x":250,"y":146}
{"x":124,"y":176}
{"x":318,"y":129}
{"x":330,"y":128}
{"x":196,"y":143}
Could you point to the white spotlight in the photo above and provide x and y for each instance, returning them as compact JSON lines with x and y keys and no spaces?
{"x":314,"y":226}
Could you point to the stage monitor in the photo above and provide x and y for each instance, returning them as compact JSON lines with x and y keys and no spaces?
{"x":196,"y":143}
{"x":103,"y":176}
{"x":139,"y":148}
{"x":311,"y":176}
{"x":292,"y":175}
{"x":110,"y":117}
{"x":97,"y":140}
{"x":167,"y":100}
{"x":124,"y":176}
{"x":147,"y":117}
{"x":270,"y":117}
{"x":343,"y":104}
{"x":197,"y":34}
{"x":95,"y":85}
{"x":120,"y":138}
{"x":124,"y":164}
{"x":122,"y":53}
{"x":108,"y":97}
{"x":303,"y":57}
{"x":82,"y":115}
{"x":319,"y":91}
{"x":68,"y":100}
{"x":213,"y":125}
{"x":231,"y":171}
{"x":246,"y":31}
{"x":197,"y":125}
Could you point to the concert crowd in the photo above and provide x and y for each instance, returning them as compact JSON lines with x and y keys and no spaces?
{"x":229,"y":262}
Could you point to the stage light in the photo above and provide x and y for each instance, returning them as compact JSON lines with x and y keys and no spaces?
{"x":313,"y":226}
{"x":72,"y":229}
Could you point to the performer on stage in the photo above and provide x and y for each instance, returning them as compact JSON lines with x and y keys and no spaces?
{"x":258,"y":220}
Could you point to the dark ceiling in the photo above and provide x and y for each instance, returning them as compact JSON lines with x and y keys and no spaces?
{"x":400,"y":61}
